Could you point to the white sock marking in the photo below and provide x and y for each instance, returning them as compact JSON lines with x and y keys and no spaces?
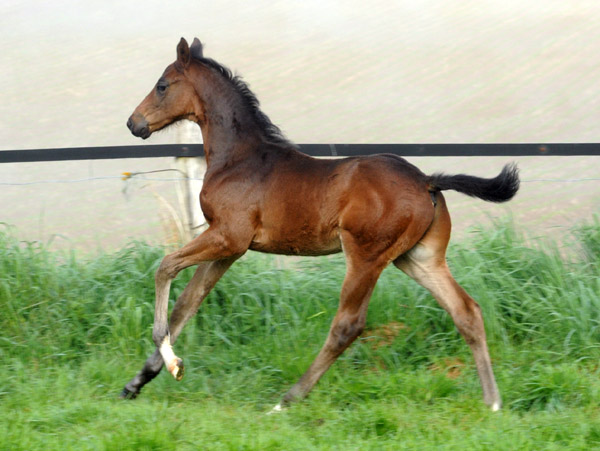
{"x":168,"y":355}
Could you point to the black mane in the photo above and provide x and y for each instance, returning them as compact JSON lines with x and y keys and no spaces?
{"x":272,"y":132}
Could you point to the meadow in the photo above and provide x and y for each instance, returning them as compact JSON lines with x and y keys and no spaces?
{"x":74,"y":329}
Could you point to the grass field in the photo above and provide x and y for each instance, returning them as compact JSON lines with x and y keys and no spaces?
{"x":74,"y":330}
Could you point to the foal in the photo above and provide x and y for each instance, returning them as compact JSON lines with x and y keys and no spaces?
{"x":261,"y":193}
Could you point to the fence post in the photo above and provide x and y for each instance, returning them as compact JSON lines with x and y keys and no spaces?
{"x":190,"y":184}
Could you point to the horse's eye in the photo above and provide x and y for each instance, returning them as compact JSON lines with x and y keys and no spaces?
{"x":161,"y":88}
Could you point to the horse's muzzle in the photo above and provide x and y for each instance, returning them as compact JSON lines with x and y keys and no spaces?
{"x":138,"y":126}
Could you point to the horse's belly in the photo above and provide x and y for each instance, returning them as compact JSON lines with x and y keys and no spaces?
{"x":309,"y":245}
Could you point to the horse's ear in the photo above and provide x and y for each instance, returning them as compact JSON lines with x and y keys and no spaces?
{"x":183,"y":53}
{"x":196,"y":49}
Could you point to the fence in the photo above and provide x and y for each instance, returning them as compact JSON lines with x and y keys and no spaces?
{"x":316,"y":150}
{"x":190,"y":171}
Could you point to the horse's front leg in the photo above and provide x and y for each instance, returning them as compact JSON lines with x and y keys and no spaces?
{"x":212,"y":245}
{"x":204,"y":279}
{"x":214,"y":254}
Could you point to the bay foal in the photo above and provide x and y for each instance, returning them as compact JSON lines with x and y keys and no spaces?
{"x":261,"y":193}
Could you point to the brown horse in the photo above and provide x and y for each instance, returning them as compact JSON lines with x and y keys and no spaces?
{"x":261,"y":193}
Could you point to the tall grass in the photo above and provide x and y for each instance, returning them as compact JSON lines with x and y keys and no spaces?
{"x":77,"y":328}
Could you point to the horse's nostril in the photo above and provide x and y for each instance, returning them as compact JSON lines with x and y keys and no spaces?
{"x":138,"y":128}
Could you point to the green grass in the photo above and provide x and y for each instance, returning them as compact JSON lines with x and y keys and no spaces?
{"x":74,"y":330}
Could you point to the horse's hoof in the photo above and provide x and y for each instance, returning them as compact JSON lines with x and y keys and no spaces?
{"x":277,"y":409}
{"x":128,"y":394}
{"x":176,"y":369}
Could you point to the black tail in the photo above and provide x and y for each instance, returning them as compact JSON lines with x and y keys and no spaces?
{"x":498,"y":189}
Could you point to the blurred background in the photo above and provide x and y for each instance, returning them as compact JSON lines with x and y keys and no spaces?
{"x":485,"y":71}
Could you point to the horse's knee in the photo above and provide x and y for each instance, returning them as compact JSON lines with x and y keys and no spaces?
{"x":166,"y":270}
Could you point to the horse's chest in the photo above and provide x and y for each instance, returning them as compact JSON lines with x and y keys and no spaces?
{"x":217,"y":204}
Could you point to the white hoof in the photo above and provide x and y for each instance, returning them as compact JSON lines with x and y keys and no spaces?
{"x":496,"y":407}
{"x":278,"y":408}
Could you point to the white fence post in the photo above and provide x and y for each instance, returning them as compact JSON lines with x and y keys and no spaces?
{"x":192,"y":173}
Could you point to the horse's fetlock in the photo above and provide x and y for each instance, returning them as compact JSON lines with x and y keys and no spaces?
{"x":158,"y":337}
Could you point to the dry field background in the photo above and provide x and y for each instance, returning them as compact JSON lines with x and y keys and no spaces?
{"x":332,"y":72}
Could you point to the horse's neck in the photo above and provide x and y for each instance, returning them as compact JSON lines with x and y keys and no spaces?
{"x":227,"y":127}
{"x":223,"y":146}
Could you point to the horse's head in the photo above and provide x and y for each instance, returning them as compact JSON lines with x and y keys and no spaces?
{"x":172,"y":98}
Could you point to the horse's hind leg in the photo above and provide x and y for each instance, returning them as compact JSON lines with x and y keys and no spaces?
{"x":347,"y":324}
{"x":204,"y":279}
{"x":426,"y":263}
